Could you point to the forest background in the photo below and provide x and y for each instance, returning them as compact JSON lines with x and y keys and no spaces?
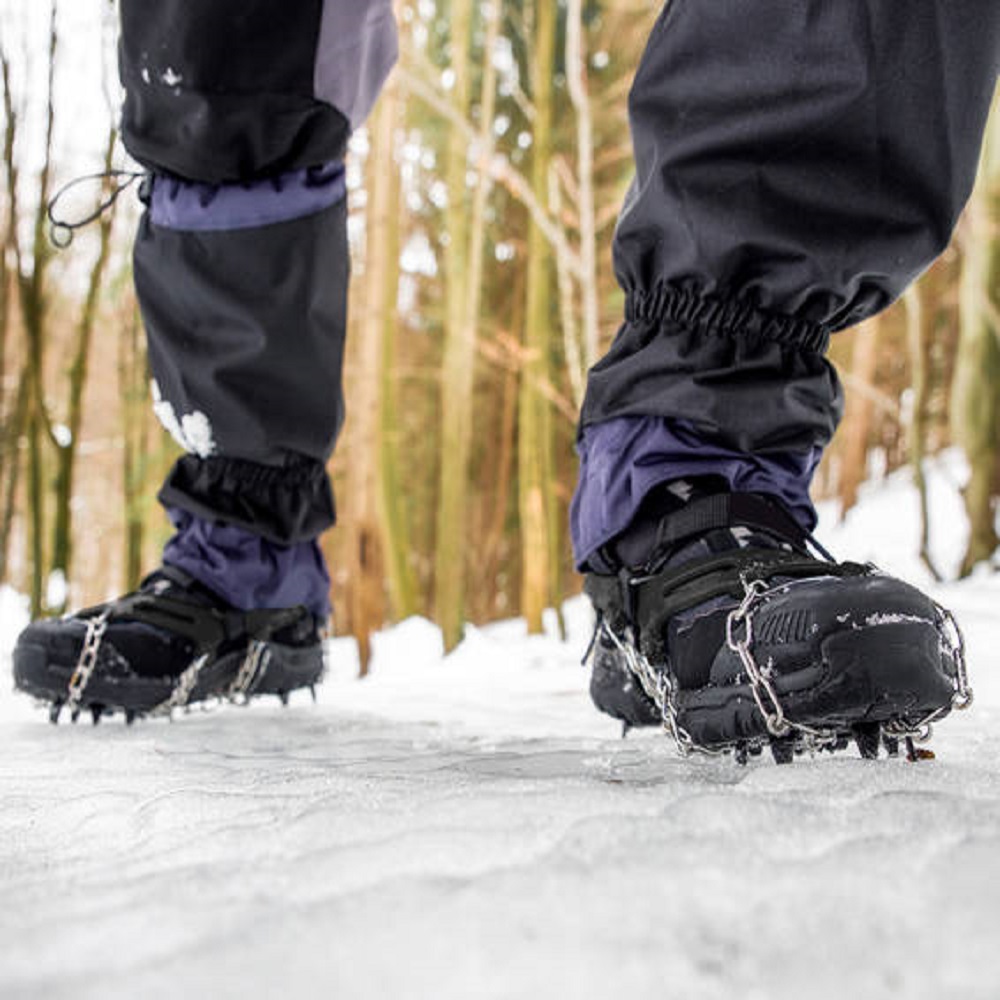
{"x":483,"y":195}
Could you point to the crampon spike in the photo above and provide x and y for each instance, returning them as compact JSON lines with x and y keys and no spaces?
{"x":312,"y":691}
{"x":129,"y":716}
{"x":96,"y":711}
{"x":868,"y":737}
{"x":626,"y":729}
{"x":891,"y":745}
{"x":783,"y":749}
{"x":75,"y":716}
{"x":740,"y":754}
{"x":54,"y":711}
{"x":283,"y":695}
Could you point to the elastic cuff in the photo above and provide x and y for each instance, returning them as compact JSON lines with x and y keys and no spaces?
{"x":730,"y":317}
{"x":284,"y":504}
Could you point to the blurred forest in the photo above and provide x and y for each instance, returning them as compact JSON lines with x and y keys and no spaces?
{"x":484,"y":193}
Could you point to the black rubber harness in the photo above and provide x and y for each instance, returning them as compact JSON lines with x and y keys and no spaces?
{"x":647,"y":599}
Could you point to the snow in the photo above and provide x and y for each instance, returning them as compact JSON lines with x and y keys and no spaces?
{"x":56,"y":589}
{"x":467,"y":826}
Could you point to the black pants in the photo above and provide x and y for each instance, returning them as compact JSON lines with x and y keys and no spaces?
{"x":798,"y":163}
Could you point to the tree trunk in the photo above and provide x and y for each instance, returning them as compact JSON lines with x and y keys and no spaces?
{"x":34,"y":304}
{"x":576,"y":72}
{"x":858,"y":418}
{"x":395,"y":532}
{"x":366,"y":500}
{"x":458,"y":367}
{"x":67,"y":447}
{"x":535,"y":467}
{"x":8,"y":247}
{"x":918,"y":330}
{"x":14,"y":429}
{"x":975,"y":398}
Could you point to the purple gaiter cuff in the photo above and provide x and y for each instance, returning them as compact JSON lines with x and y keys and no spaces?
{"x":246,"y":570}
{"x":623,"y":459}
{"x":196,"y":207}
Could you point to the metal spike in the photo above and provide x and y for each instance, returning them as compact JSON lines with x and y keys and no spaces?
{"x":783,"y":749}
{"x":54,"y":710}
{"x":740,"y":754}
{"x":868,"y":737}
{"x":74,"y":716}
{"x":129,"y":716}
{"x":283,"y":695}
{"x":891,"y":745}
{"x":312,"y":691}
{"x":96,"y":711}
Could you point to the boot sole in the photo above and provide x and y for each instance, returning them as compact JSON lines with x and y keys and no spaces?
{"x":289,"y":669}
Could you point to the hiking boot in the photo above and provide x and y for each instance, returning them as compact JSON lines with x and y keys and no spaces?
{"x":171,"y":643}
{"x":734,"y":635}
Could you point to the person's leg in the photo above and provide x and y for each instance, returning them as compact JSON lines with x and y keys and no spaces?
{"x":241,"y":111}
{"x":797,"y":165}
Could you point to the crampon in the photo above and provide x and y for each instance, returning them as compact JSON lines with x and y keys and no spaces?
{"x":171,"y":644}
{"x":740,"y":641}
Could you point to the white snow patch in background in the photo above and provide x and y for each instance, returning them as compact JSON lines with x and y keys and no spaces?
{"x":56,"y":589}
{"x":885,"y":525}
{"x":14,"y":615}
{"x":467,"y":826}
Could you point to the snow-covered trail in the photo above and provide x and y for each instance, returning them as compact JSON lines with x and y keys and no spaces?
{"x":470,"y":827}
{"x":460,"y":832}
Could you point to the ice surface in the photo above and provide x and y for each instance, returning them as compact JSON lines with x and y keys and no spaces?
{"x":470,"y":827}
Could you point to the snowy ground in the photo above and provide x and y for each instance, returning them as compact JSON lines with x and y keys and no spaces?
{"x":469,"y":827}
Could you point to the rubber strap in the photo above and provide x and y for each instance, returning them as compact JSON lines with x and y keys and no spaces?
{"x":728,"y":510}
{"x":206,"y":627}
{"x":648,"y":602}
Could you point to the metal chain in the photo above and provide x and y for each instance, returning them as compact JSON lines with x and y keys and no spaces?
{"x":660,"y":689}
{"x":961,"y":700}
{"x":87,"y":663}
{"x":659,"y":686}
{"x":253,"y":667}
{"x":184,"y":687}
{"x":741,"y":644}
{"x":777,"y":722}
{"x":963,"y":692}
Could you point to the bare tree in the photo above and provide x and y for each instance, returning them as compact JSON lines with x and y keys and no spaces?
{"x":975,"y":399}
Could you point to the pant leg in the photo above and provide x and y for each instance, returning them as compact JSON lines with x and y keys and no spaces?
{"x":241,"y":110}
{"x":241,"y":260}
{"x":798,"y":163}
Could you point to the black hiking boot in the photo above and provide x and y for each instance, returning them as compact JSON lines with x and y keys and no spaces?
{"x":733,"y":635}
{"x":171,"y":643}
